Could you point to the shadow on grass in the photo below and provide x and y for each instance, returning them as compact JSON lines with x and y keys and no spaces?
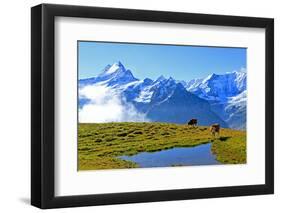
{"x":223,"y":138}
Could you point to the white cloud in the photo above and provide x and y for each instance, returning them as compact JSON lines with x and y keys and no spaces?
{"x":106,"y":105}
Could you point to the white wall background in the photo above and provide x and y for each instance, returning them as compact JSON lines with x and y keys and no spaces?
{"x":15,"y":105}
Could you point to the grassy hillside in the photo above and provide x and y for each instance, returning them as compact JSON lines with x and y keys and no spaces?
{"x":231,"y":152}
{"x":100,"y":144}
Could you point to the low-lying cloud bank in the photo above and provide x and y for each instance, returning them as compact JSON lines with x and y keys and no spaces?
{"x":106,"y":105}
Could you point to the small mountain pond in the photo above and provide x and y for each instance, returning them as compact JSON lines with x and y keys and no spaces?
{"x":183,"y":156}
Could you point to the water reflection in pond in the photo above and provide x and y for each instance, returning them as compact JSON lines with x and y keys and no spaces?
{"x":198,"y":155}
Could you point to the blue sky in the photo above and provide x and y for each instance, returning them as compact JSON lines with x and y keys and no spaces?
{"x":144,"y":60}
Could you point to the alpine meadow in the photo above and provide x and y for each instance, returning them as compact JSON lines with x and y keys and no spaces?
{"x":157,"y":105}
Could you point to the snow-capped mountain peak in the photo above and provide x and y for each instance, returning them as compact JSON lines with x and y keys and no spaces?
{"x":160,"y":78}
{"x":117,"y":74}
{"x":219,"y":86}
{"x":112,"y":75}
{"x":113,"y":69}
{"x":110,"y":69}
{"x":209,"y":77}
{"x":171,"y":79}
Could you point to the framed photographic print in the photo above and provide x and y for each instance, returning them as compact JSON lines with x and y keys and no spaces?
{"x":139,"y":106}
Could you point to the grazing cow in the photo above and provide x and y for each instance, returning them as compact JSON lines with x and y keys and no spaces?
{"x":215,"y":129}
{"x":192,"y":122}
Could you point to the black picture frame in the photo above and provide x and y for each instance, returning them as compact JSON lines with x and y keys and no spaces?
{"x":43,"y":102}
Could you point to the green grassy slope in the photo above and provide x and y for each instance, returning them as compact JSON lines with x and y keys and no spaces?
{"x":233,"y":151}
{"x":100,"y":144}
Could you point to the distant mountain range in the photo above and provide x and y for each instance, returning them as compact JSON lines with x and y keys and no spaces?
{"x":227,"y":95}
{"x":214,"y":99}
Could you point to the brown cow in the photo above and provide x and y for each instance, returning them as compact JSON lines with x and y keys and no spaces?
{"x":215,"y":129}
{"x":192,"y":122}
